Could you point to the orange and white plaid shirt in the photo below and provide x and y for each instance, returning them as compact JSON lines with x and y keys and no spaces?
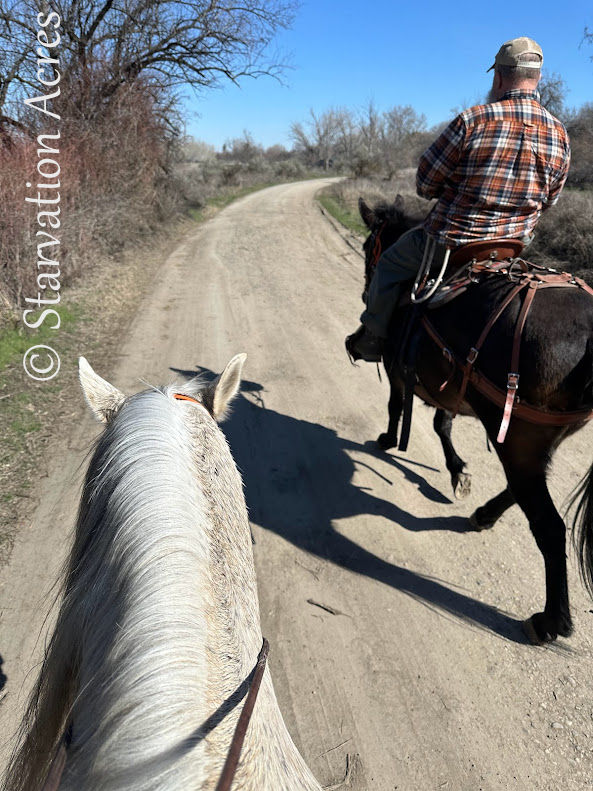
{"x":494,"y":169}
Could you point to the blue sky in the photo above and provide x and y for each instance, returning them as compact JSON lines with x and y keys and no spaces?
{"x":432,"y":55}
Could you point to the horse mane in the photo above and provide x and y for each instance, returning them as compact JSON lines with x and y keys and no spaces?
{"x":388,"y":212}
{"x":136,"y":549}
{"x":400,"y":212}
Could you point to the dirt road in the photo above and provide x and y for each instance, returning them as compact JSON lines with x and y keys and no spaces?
{"x":397,"y":653}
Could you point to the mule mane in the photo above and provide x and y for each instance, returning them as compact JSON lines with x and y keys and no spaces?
{"x":392,"y":214}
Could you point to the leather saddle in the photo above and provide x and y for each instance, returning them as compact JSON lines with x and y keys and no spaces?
{"x":484,"y":250}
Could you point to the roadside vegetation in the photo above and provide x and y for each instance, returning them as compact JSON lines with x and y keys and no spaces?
{"x":125,"y":185}
{"x":380,"y":151}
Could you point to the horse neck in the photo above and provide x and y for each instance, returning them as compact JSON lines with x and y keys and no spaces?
{"x":138,"y":605}
{"x":235,"y":632}
{"x":160,"y":623}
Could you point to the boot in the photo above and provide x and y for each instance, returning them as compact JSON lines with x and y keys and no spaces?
{"x":363,"y":345}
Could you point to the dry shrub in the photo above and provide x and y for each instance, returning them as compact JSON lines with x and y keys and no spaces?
{"x":374,"y":191}
{"x":17,"y":261}
{"x":114,"y":187}
{"x":565,"y":233}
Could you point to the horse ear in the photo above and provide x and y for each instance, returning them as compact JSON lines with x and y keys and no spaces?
{"x":399,"y":202}
{"x":104,"y":399}
{"x":367,"y":214}
{"x":220,"y":393}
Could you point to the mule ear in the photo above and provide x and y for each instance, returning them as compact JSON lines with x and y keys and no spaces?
{"x":367,"y":214}
{"x":104,"y":399}
{"x":399,"y":202}
{"x":221,"y":392}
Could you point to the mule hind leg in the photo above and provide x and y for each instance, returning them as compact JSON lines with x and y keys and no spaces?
{"x":525,"y":456}
{"x":549,"y":532}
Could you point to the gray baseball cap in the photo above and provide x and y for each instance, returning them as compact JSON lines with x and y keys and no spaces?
{"x":511,"y":54}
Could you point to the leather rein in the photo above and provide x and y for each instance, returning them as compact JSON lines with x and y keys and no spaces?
{"x":225,"y":782}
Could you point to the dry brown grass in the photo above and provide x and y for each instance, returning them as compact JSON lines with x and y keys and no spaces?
{"x":348,"y":191}
{"x":564,"y":235}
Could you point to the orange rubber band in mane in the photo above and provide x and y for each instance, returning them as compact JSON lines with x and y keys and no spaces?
{"x":181,"y":397}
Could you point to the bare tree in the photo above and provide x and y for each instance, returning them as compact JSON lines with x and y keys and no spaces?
{"x":318,"y":138}
{"x":552,"y":90}
{"x":348,"y":142}
{"x":169,"y":43}
{"x":401,"y":128}
{"x":580,"y":130}
{"x":242,"y":149}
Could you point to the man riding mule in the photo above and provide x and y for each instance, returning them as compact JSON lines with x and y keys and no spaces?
{"x":505,"y":341}
{"x":493,"y":170}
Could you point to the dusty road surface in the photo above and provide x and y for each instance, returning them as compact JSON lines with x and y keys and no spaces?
{"x":397,"y":652}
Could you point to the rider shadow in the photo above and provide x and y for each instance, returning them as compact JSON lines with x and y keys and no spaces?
{"x":298,"y":479}
{"x":3,"y":676}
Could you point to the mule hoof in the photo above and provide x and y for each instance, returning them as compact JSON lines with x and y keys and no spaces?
{"x":462,"y":485}
{"x":476,"y":525}
{"x":385,"y":442}
{"x":530,"y":632}
{"x":539,"y":631}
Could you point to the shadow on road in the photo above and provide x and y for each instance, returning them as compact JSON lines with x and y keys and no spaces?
{"x":298,"y":478}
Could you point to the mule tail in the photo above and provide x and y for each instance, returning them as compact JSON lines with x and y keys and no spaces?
{"x":582,"y":500}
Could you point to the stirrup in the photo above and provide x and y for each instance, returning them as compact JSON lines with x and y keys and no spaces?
{"x":423,"y":289}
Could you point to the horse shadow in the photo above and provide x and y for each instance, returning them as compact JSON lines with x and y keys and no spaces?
{"x":298,"y":481}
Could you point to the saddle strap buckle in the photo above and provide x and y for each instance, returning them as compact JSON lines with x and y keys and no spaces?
{"x":512,"y":387}
{"x":472,"y":355}
{"x":513,"y":381}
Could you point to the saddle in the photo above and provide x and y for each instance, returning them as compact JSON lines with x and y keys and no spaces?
{"x":486,"y":252}
{"x":471,"y":264}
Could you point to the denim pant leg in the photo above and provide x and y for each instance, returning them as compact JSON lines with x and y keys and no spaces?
{"x":398,"y":264}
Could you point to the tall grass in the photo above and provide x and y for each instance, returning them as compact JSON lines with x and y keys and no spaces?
{"x":563,"y":237}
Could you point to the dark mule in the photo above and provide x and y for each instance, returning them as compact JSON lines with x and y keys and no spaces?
{"x":556,"y":375}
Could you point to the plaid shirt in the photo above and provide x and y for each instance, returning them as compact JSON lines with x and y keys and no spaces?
{"x":494,"y":169}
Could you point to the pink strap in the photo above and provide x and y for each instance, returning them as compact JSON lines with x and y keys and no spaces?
{"x":512,"y":385}
{"x":513,"y":377}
